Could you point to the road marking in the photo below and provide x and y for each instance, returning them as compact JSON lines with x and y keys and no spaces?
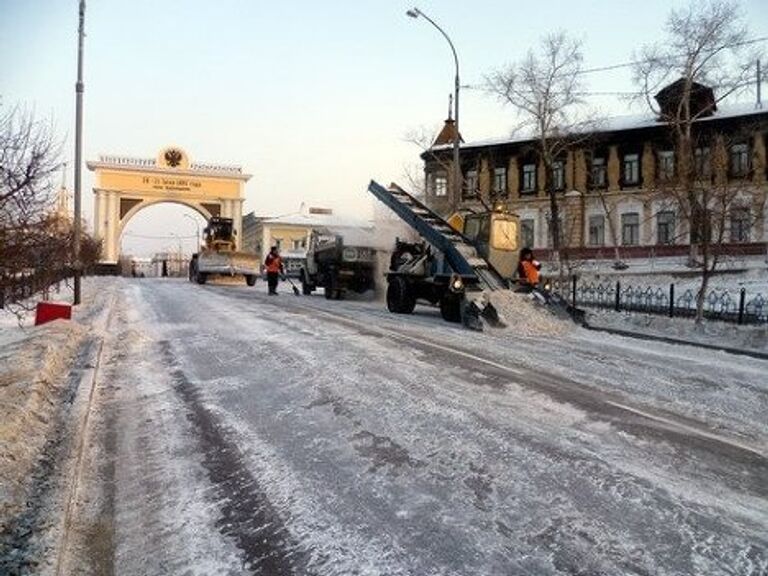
{"x":576,"y":387}
{"x":679,"y":426}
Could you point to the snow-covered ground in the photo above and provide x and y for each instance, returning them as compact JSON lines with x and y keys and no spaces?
{"x":239,"y":433}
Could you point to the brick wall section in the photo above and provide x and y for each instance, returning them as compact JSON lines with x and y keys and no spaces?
{"x":759,"y":158}
{"x":513,"y":179}
{"x":580,"y":171}
{"x":614,"y":169}
{"x":648,"y":169}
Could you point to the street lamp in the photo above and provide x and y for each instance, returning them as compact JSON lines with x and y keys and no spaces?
{"x":457,"y":179}
{"x":79,"y":88}
{"x":197,"y":238}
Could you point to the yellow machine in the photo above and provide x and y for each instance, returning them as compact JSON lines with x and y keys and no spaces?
{"x":219,"y":256}
{"x":496,"y":236}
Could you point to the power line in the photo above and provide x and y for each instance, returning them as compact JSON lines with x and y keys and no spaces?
{"x":150,"y":237}
{"x":636,"y":62}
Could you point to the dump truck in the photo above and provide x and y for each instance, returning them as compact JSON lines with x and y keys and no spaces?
{"x":335,"y":266}
{"x":219,"y":256}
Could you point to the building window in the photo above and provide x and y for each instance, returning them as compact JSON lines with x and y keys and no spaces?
{"x":300,"y":244}
{"x":500,"y":181}
{"x":630,"y":229}
{"x":703,"y":163}
{"x":631,"y":170}
{"x":529,"y":179}
{"x":470,"y":184}
{"x":278,"y":242}
{"x":597,"y":230}
{"x":527,"y":232}
{"x":666,"y":165}
{"x":439,"y":184}
{"x":558,"y":175}
{"x":739,"y":161}
{"x":598,"y":173}
{"x":740,"y":225}
{"x":665,"y":227}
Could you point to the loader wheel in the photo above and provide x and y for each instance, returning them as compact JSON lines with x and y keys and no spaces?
{"x":399,"y":297}
{"x":201,"y":277}
{"x":250,"y":279}
{"x":450,"y":308}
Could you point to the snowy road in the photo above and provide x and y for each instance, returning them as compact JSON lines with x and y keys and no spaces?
{"x":237,"y":433}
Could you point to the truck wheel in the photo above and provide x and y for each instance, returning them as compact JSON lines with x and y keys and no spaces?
{"x":250,"y":279}
{"x":306,"y":287}
{"x":399,"y":297}
{"x":450,"y":308}
{"x":332,"y":287}
{"x":201,"y":277}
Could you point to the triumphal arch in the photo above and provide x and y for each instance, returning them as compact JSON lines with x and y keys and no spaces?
{"x":124,"y":186}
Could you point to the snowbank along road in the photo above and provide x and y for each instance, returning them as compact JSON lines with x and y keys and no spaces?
{"x":236,"y":433}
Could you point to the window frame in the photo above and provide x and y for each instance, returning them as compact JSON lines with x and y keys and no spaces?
{"x":524,"y":230}
{"x":670,"y":234}
{"x":626,"y":183}
{"x":634,"y":226}
{"x":744,"y":232}
{"x":665,"y":165}
{"x":598,"y":164}
{"x":500,"y":187}
{"x":558,"y":175}
{"x":439,"y":184}
{"x":529,"y":171}
{"x":590,"y":228}
{"x":471,"y":182}
{"x":741,"y":168}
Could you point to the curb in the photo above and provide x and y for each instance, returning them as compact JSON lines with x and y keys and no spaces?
{"x":678,"y":341}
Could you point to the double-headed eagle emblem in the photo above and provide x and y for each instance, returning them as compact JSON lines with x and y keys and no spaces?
{"x":173,"y":157}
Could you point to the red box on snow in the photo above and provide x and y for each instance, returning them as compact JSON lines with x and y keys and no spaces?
{"x":47,"y":311}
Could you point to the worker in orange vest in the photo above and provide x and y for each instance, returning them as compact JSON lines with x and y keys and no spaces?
{"x":528,"y":269}
{"x":274,"y":266}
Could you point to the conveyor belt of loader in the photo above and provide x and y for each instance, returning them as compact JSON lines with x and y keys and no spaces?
{"x":459,"y":252}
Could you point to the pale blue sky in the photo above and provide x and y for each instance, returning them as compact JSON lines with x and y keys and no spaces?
{"x":313,"y":98}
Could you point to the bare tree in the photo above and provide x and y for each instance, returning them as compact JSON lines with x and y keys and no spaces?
{"x":544,"y":88}
{"x":34,"y":241}
{"x":702,"y":60}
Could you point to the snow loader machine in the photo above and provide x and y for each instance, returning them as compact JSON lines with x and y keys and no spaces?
{"x":219,"y":255}
{"x":452,"y":269}
{"x":449,"y":268}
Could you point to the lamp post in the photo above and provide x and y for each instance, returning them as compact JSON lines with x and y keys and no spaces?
{"x":197,"y":224}
{"x":79,"y":88}
{"x":457,"y":179}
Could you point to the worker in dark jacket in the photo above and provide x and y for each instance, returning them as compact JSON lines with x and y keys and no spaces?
{"x":274,"y":267}
{"x":528,"y":269}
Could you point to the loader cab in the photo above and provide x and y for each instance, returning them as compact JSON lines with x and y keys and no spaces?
{"x":496,"y":235}
{"x":219,"y":232}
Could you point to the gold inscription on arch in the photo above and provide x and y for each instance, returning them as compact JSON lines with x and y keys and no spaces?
{"x":169,"y":185}
{"x":172,"y":184}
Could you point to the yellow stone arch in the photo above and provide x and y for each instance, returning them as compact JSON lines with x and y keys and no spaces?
{"x":124,"y":186}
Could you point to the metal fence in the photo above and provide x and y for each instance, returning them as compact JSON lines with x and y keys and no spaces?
{"x":727,"y":305}
{"x":17,"y":287}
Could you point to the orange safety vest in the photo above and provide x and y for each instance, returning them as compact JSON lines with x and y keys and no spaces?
{"x":531,"y":272}
{"x":273,"y":264}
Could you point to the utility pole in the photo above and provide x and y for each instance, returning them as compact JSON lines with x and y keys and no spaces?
{"x":79,"y":88}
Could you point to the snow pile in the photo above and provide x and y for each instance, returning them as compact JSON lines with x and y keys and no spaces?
{"x":525,"y":316}
{"x":32,"y":364}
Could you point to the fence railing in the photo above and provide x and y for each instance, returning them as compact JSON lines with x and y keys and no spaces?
{"x":736,"y":305}
{"x":18,"y":287}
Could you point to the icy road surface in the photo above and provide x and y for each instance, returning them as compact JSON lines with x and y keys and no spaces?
{"x":241,"y":433}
